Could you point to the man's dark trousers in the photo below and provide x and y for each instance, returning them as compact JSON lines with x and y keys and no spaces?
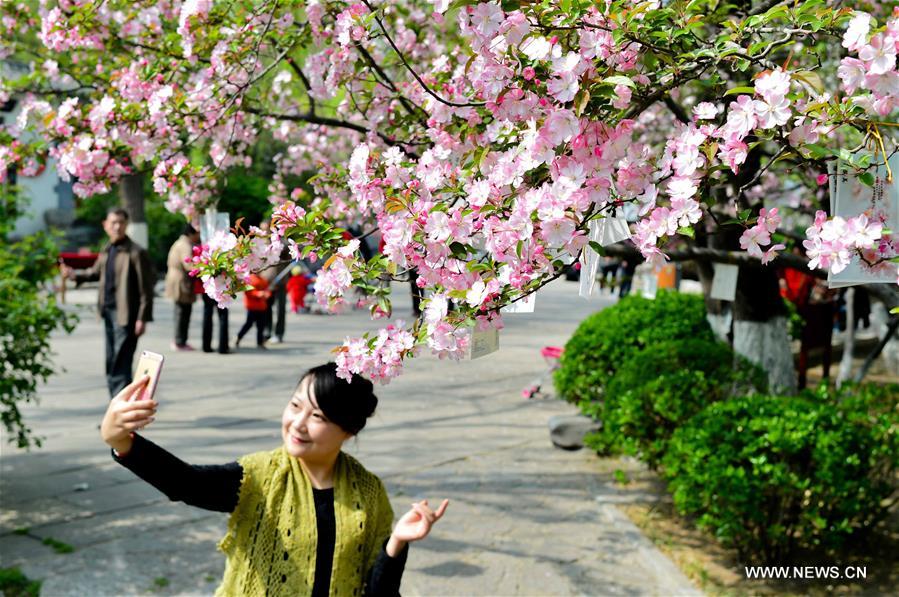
{"x":182,"y":322}
{"x":121,"y":342}
{"x":210,"y":307}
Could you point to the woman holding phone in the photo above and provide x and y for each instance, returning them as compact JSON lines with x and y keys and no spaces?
{"x":306,"y":518}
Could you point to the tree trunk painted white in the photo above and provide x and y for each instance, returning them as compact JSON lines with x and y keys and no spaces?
{"x":767,"y":344}
{"x":848,"y":339}
{"x":131,"y":194}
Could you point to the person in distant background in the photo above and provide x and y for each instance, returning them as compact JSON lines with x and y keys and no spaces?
{"x":256,"y":302}
{"x":297,"y":287}
{"x":179,"y":286}
{"x":125,"y":300}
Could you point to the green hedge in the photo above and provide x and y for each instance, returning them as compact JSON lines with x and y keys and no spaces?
{"x":770,"y":474}
{"x":605,"y":340}
{"x":657,"y":390}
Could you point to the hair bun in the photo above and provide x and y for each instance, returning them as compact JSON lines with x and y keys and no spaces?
{"x":348,"y":404}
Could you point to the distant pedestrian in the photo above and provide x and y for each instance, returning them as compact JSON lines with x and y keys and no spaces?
{"x":306,"y":518}
{"x":256,"y":302}
{"x":125,"y":300}
{"x":210,"y":310}
{"x":179,"y":286}
{"x":297,"y":287}
{"x":276,"y":311}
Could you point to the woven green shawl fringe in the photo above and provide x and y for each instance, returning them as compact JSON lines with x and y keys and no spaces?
{"x":272,"y":536}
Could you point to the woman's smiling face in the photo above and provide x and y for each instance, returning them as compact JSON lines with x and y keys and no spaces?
{"x":306,"y":431}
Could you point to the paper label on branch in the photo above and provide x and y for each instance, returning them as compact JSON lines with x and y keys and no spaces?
{"x":211,"y":222}
{"x":589,"y":262}
{"x":612,"y":230}
{"x":724,"y":284}
{"x":483,"y":343}
{"x":646,"y":282}
{"x":832,"y":182}
{"x":525,"y":305}
{"x":879,"y":202}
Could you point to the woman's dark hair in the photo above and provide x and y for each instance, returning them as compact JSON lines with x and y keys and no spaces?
{"x":348,"y":404}
{"x":189,"y":230}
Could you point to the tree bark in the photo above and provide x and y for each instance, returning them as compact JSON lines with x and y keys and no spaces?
{"x":131,"y":194}
{"x":848,"y":339}
{"x":760,"y":327}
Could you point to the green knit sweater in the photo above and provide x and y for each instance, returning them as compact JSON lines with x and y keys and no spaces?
{"x":272,"y":535}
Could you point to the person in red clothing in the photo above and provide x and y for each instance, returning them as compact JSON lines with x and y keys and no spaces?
{"x":297,"y":286}
{"x":256,"y":302}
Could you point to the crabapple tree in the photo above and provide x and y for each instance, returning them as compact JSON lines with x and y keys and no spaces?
{"x":486,"y":142}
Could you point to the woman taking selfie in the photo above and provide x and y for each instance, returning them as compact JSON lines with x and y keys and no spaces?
{"x":306,"y":518}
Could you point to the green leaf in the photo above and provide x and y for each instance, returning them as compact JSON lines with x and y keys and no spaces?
{"x":867,"y":178}
{"x":619,"y":80}
{"x":740,"y":90}
{"x":686,"y":231}
{"x":597,"y":247}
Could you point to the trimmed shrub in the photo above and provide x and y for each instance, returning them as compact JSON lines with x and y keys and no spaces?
{"x":770,"y":474}
{"x":605,"y":340}
{"x":658,"y":389}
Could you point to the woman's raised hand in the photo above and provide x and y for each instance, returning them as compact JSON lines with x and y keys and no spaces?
{"x":414,"y":525}
{"x":127,"y":412}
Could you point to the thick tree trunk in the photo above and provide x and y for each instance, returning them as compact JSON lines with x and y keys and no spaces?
{"x":131,"y":193}
{"x":848,"y":339}
{"x":760,"y":327}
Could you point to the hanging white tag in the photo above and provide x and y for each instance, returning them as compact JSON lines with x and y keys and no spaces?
{"x":589,"y":262}
{"x":483,"y":342}
{"x":525,"y":305}
{"x":724,"y":284}
{"x":878,"y":202}
{"x":613,"y":229}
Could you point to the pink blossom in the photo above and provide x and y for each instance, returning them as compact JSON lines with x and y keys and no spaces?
{"x":772,"y":114}
{"x":682,"y":188}
{"x":879,"y":55}
{"x":773,"y":86}
{"x":705,"y":111}
{"x":623,"y":97}
{"x":741,"y":118}
{"x":771,"y":253}
{"x":753,"y":238}
{"x":857,"y":33}
{"x":486,"y":18}
{"x":852,"y":73}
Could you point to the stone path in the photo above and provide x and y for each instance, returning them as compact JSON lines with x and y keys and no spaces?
{"x":524,"y":519}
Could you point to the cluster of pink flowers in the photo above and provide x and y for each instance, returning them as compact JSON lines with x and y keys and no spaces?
{"x":379,"y":358}
{"x":58,"y":34}
{"x":874,"y":70}
{"x":481,"y":174}
{"x":759,"y":235}
{"x":833,"y":242}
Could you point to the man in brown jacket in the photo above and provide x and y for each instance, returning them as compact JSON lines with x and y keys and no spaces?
{"x":179,"y":286}
{"x":125,"y":300}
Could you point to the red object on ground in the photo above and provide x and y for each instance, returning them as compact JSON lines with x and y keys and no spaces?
{"x":552,"y":352}
{"x":78,"y":260}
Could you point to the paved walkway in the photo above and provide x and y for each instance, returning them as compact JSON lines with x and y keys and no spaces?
{"x":524,"y":519}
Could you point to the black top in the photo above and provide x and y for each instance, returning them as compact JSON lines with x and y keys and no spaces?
{"x":326,"y":523}
{"x":217,"y":487}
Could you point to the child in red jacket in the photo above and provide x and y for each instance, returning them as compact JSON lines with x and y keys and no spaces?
{"x":256,"y":302}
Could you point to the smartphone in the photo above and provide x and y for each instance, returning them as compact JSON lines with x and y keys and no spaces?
{"x":150,"y":363}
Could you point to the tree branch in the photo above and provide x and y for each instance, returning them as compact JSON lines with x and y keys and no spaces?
{"x":411,"y":70}
{"x":676,"y":110}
